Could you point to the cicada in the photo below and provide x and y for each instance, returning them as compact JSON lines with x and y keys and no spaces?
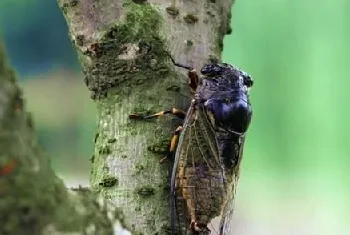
{"x":207,"y":148}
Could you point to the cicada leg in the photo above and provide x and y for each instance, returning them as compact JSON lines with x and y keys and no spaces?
{"x":173,"y":144}
{"x":174,"y":111}
{"x":193,"y":78}
{"x":175,"y":137}
{"x":196,"y":228}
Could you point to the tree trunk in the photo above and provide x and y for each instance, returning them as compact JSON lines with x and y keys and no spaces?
{"x":121,"y":46}
{"x":33,"y":199}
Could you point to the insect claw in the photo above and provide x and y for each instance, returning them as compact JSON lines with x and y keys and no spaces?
{"x":136,"y":116}
{"x":198,"y":227}
{"x":163,"y":159}
{"x":133,"y":116}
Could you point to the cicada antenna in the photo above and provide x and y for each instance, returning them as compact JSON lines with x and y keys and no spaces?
{"x":189,"y":68}
{"x":193,"y":78}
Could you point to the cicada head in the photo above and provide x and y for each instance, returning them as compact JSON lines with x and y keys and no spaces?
{"x":218,"y":70}
{"x":226,"y":98}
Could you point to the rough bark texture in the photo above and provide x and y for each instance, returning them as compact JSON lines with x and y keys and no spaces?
{"x":121,"y":45}
{"x":33,"y":199}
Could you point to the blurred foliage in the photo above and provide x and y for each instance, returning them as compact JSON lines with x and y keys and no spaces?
{"x":36,"y":38}
{"x":298,"y":53}
{"x":295,"y":168}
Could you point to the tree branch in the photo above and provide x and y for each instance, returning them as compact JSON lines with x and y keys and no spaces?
{"x":33,"y":199}
{"x":121,"y":46}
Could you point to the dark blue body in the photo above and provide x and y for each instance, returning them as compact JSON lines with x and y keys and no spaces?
{"x":224,"y":95}
{"x":207,"y":159}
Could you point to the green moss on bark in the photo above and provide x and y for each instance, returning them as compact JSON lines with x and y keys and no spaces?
{"x":134,"y":165}
{"x":128,"y":71}
{"x":127,"y":47}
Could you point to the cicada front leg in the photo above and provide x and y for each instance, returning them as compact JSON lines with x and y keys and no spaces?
{"x":174,"y":111}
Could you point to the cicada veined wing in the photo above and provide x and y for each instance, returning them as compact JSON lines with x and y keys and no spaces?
{"x":200,"y":185}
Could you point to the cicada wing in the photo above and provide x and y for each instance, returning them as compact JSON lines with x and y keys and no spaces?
{"x":197,"y":182}
{"x":178,"y":210}
{"x":227,"y":215}
{"x":181,"y":225}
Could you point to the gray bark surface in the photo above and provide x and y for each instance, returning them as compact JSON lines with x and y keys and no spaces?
{"x":121,"y":46}
{"x":32,"y":199}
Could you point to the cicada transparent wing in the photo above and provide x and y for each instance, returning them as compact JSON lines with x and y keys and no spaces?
{"x":226,"y":217}
{"x":199,"y":186}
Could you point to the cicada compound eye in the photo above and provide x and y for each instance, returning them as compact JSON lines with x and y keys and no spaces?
{"x":248,"y":81}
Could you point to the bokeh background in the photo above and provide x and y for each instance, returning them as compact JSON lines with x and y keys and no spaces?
{"x":295,"y":173}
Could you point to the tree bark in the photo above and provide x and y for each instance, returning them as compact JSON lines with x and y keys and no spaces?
{"x":33,"y":199}
{"x":121,"y":46}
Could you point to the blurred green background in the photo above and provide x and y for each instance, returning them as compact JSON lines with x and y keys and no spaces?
{"x":294,"y":177}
